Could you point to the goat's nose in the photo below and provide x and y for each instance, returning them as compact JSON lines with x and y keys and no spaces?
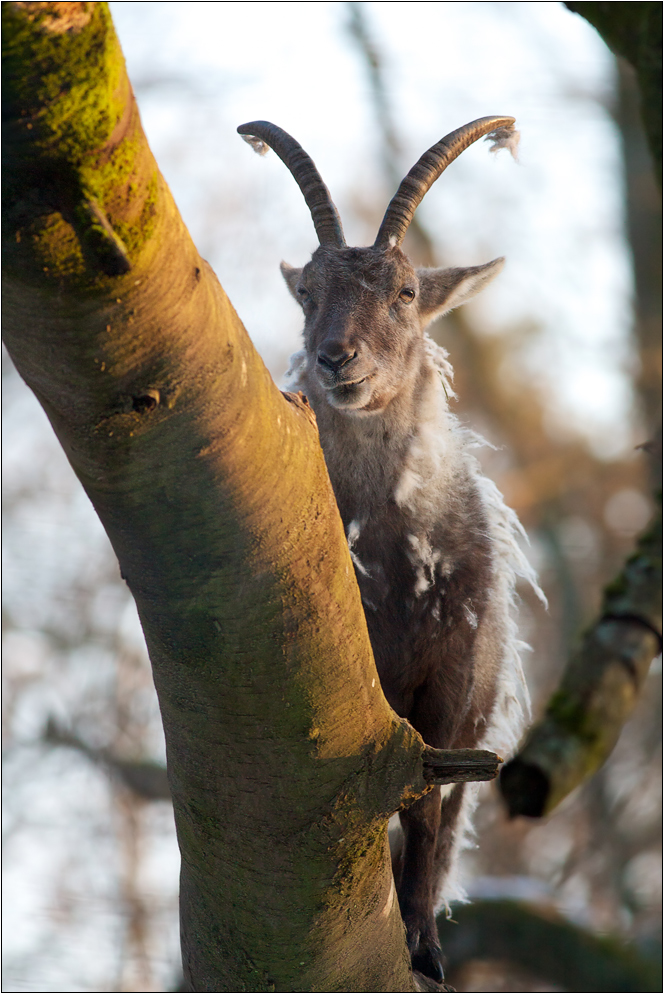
{"x":336,"y":360}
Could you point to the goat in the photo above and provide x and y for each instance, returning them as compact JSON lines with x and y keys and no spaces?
{"x":433,"y":545}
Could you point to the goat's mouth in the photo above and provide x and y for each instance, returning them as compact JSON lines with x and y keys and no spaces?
{"x":350,"y":395}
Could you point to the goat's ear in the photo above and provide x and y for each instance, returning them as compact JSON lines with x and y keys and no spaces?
{"x":292,"y":276}
{"x":443,"y":289}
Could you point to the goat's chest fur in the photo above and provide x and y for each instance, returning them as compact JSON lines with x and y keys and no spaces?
{"x":419,"y":536}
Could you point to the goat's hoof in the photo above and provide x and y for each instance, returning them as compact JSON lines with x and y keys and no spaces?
{"x":427,"y":958}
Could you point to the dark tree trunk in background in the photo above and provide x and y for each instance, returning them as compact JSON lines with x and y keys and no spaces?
{"x":644,"y":229}
{"x":634,"y":30}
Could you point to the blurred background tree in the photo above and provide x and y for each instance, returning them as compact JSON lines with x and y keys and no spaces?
{"x":558,"y":369}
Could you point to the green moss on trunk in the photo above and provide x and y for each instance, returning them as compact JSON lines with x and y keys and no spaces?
{"x":284,"y":759}
{"x":82,"y":190}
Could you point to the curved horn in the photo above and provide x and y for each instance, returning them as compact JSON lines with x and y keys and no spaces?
{"x":323,"y":212}
{"x":428,"y":168}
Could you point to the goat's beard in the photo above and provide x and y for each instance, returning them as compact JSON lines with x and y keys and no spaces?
{"x":367,"y":395}
{"x":349,"y":396}
{"x":360,"y":399}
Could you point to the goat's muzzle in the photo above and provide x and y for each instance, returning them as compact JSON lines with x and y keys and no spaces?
{"x":336,"y":361}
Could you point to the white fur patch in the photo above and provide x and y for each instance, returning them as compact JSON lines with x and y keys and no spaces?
{"x":439,"y":358}
{"x":296,"y":367}
{"x":471,"y":616}
{"x":408,"y":482}
{"x":352,"y":536}
{"x":507,"y":137}
{"x":353,"y":532}
{"x":258,"y":145}
{"x":425,"y":559}
{"x":358,"y":565}
{"x":430,"y":462}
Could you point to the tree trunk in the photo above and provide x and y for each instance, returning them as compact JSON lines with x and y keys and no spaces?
{"x":284,"y":759}
{"x":634,"y":30}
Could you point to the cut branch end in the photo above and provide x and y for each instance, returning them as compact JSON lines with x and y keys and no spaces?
{"x":443,"y":766}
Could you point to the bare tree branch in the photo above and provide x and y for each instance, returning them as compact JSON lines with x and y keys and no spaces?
{"x":548,"y":947}
{"x":146,"y":779}
{"x":598,"y":690}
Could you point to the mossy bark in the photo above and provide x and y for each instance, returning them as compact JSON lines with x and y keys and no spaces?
{"x":598,"y":691}
{"x":284,"y":758}
{"x":550,"y":948}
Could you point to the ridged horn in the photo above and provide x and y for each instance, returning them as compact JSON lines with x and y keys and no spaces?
{"x":260,"y":134}
{"x":428,"y":168}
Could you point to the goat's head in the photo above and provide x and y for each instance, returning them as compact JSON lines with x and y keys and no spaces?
{"x":366,"y":308}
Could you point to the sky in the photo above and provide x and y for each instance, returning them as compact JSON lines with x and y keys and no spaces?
{"x":201,"y":69}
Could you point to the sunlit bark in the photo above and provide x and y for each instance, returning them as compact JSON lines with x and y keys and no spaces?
{"x":284,"y":758}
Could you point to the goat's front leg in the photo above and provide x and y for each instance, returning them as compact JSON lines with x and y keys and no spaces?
{"x":420,"y":823}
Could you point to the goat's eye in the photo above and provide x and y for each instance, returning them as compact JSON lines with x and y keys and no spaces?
{"x":302,"y":293}
{"x":407,"y":295}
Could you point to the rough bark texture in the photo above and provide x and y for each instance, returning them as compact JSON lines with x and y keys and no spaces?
{"x":284,"y":758}
{"x":459,"y":765}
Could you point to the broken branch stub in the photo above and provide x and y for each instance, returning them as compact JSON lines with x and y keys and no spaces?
{"x":443,"y":766}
